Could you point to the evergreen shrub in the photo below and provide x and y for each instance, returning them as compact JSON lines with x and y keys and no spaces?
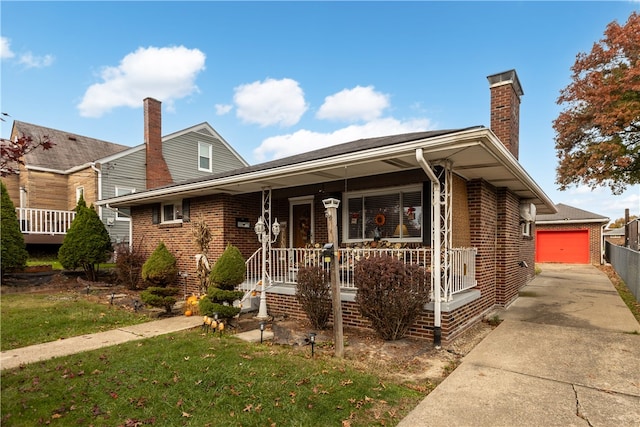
{"x":13,"y":251}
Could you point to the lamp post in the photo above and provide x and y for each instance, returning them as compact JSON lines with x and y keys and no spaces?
{"x":264,"y":232}
{"x":331,"y":206}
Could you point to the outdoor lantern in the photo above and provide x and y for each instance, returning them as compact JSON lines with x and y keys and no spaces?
{"x":259,"y":227}
{"x":275,"y":228}
{"x":312,"y":340}
{"x":262,"y":326}
{"x":331,"y":203}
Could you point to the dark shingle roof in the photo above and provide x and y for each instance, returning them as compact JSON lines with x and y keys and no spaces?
{"x":569,"y":213}
{"x":70,"y":150}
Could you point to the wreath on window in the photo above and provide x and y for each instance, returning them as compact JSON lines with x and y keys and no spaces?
{"x":380,"y":220}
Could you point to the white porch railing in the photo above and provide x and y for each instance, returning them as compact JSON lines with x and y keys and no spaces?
{"x":285,"y":263}
{"x":44,"y":221}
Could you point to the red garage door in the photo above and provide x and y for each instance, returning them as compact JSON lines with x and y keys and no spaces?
{"x":566,"y":246}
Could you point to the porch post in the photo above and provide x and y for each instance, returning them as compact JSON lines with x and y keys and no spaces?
{"x":331,"y":213}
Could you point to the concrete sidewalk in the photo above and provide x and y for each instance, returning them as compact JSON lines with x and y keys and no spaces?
{"x":14,"y":358}
{"x":564,"y":355}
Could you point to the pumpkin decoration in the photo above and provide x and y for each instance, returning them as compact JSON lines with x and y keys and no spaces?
{"x":380,"y":220}
{"x":188,"y":313}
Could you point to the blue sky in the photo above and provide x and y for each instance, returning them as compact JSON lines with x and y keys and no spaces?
{"x":277,"y":78}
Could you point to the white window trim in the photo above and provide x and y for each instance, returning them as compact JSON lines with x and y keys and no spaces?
{"x":177,"y":204}
{"x":123,"y":217}
{"x":201,"y":147}
{"x":79,"y":191}
{"x":380,"y":192}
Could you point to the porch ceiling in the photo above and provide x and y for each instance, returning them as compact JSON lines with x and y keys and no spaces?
{"x":474,"y":154}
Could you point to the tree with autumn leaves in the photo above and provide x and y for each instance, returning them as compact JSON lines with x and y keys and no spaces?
{"x":598,"y":132}
{"x":12,"y":152}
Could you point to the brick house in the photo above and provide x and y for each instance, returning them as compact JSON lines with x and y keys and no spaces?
{"x":571,"y":235}
{"x":458,"y":193}
{"x":49,"y":184}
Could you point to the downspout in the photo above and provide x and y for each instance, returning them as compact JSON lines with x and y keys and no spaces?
{"x":436,"y":268}
{"x":99,"y":173}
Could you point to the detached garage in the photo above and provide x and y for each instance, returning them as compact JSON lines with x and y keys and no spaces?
{"x":570,"y":236}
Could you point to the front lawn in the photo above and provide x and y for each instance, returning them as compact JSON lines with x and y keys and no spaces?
{"x":196,"y":379}
{"x":28,"y":319}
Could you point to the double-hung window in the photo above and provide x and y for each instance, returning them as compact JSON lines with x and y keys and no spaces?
{"x":393,"y":214}
{"x":205,"y":157}
{"x":124,"y":214}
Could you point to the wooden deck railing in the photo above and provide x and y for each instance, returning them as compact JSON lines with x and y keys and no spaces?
{"x":44,"y":221}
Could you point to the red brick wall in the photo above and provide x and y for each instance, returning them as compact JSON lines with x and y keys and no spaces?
{"x":505,"y":116}
{"x":595,"y":236}
{"x":507,"y":248}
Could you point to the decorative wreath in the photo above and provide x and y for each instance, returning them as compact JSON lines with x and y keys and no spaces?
{"x":380,"y":220}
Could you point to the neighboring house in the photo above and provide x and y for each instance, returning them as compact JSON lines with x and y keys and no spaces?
{"x":614,"y":236}
{"x":571,"y":235}
{"x":456,"y":201}
{"x":49,"y":184}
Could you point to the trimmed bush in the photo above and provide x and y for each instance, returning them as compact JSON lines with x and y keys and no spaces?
{"x":227,"y":273}
{"x":87,"y":242}
{"x":162,"y":297}
{"x":14,"y":254}
{"x":314,"y":295}
{"x":391,"y":294}
{"x":161,"y":268}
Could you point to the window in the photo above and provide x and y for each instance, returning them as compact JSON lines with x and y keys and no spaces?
{"x":123,"y":214}
{"x":384,"y":215}
{"x":79,"y":192}
{"x":171,"y":212}
{"x":204,"y":157}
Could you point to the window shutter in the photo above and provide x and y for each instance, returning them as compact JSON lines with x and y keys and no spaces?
{"x":155,"y":214}
{"x":186,"y":210}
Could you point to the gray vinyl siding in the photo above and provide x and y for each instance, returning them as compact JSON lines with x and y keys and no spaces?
{"x":181,"y":155}
{"x":127,"y":171}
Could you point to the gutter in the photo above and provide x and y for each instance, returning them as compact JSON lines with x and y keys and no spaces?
{"x":436,"y":228}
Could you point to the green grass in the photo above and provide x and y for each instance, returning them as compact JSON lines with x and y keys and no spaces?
{"x":28,"y":319}
{"x":193,"y":379}
{"x":624,"y":292}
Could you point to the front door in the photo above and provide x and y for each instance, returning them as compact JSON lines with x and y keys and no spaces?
{"x":301,"y":222}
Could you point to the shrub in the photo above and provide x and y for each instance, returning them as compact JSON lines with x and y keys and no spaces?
{"x":129,"y":261}
{"x":157,"y":296}
{"x":229,"y":270}
{"x":391,"y":294}
{"x":87,"y":242}
{"x":227,"y":273}
{"x":160,"y":269}
{"x":14,"y":254}
{"x":314,"y":295}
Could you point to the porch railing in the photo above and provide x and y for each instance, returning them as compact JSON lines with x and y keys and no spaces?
{"x":44,"y":221}
{"x":285,"y":263}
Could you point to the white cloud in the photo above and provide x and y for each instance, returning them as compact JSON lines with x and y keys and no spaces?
{"x":30,"y":61}
{"x":271,"y":102}
{"x":359,"y":103}
{"x":5,"y":48}
{"x":166,"y":73}
{"x":222,"y":109}
{"x":304,"y":140}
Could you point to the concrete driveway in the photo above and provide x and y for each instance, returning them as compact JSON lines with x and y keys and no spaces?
{"x":566,"y":354}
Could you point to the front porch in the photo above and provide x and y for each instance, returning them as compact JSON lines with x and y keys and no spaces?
{"x":459,"y":266}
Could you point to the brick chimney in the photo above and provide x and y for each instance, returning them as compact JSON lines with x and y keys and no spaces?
{"x":157,"y":170}
{"x":505,"y":108}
